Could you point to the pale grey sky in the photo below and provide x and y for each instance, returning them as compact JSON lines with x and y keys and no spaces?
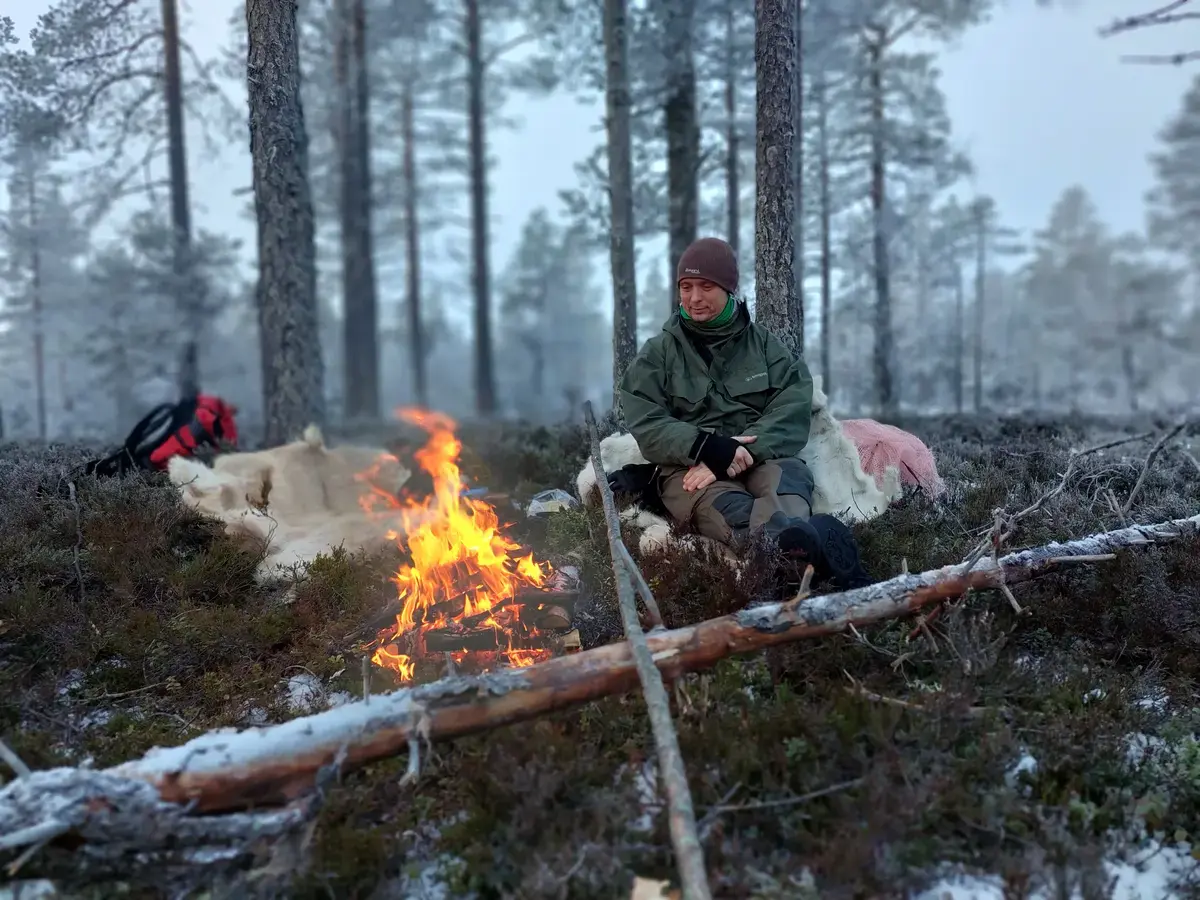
{"x":1036,"y":96}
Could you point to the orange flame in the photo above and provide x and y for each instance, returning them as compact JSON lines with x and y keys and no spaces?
{"x":465,"y":575}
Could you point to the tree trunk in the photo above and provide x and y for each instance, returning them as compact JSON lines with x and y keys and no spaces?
{"x":826,"y":213}
{"x":187,"y":290}
{"x":37,"y":310}
{"x":364,"y":391}
{"x":620,"y":192}
{"x":960,"y":350}
{"x":796,"y":313}
{"x":922,"y":381}
{"x":344,"y":136}
{"x":980,"y":276}
{"x":886,"y":401}
{"x":733,"y":189}
{"x":286,"y":294}
{"x":417,"y":351}
{"x":485,"y":378}
{"x":775,"y":64}
{"x":1130,"y":372}
{"x":683,"y":135}
{"x":360,"y":342}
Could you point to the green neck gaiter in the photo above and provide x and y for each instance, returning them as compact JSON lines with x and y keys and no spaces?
{"x":724,"y":324}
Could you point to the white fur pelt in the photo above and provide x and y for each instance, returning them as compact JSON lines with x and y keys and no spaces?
{"x":299,"y":500}
{"x":842,"y":488}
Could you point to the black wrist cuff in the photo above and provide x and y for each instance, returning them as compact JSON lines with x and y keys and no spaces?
{"x":717,"y":453}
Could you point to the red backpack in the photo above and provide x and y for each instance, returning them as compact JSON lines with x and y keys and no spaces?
{"x":169,"y":430}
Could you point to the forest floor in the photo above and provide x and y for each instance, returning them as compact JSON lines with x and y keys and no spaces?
{"x":1048,"y":752}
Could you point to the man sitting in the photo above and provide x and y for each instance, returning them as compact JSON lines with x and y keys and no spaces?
{"x":722,"y":407}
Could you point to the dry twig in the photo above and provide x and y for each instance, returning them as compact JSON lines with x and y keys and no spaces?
{"x":1190,"y":457}
{"x":639,"y":582}
{"x":78,"y":547}
{"x":14,"y":762}
{"x":1150,"y":457}
{"x":681,"y":814}
{"x":789,"y":801}
{"x":1004,"y":525}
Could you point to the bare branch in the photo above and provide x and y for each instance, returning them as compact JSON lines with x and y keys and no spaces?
{"x":1171,"y":59}
{"x":1164,"y":15}
{"x":126,"y":51}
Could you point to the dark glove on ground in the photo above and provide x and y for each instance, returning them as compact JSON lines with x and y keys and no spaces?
{"x":717,"y":453}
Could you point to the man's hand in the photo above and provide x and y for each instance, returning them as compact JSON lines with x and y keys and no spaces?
{"x":697,"y":478}
{"x":726,"y":455}
{"x":700,"y":476}
{"x":742,"y":460}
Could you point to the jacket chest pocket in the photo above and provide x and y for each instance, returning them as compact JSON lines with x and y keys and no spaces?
{"x":688,"y":396}
{"x":750,"y":386}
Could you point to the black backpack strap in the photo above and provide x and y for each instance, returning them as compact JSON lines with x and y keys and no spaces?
{"x":150,"y":431}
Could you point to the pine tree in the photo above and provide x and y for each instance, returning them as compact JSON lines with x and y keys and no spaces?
{"x":1174,"y":201}
{"x":293,"y":369}
{"x":549,"y":314}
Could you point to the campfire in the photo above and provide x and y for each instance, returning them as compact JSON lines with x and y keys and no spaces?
{"x":469,"y":591}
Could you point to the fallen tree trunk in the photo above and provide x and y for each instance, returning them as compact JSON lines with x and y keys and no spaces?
{"x":271,"y":766}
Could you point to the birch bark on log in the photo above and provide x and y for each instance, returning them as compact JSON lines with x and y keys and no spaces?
{"x":226,"y":771}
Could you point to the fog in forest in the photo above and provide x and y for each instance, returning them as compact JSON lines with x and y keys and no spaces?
{"x":992,"y":205}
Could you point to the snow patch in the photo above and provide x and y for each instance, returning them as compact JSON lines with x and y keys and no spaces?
{"x":645,"y":785}
{"x":1024,"y":764}
{"x":39,"y":889}
{"x":1153,"y":873}
{"x":306,"y":693}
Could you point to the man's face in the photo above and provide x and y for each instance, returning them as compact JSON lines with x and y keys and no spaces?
{"x":702,"y":299}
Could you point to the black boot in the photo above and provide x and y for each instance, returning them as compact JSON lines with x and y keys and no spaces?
{"x":824,"y":543}
{"x":839,"y":553}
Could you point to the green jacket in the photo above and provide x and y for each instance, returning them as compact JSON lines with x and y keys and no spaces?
{"x":669,"y":394}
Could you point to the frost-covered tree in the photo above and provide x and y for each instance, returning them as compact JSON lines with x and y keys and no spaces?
{"x":41,"y":244}
{"x":1173,"y":204}
{"x":127,"y":331}
{"x":899,"y":131}
{"x":1066,"y":286}
{"x":549,"y":312}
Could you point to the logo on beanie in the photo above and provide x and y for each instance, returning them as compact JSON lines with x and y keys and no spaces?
{"x":692,"y":271}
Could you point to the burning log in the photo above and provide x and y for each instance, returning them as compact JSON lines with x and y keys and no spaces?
{"x":269,"y":767}
{"x":465,"y":579}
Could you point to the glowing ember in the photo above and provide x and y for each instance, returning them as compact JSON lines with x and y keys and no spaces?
{"x":461,"y":592}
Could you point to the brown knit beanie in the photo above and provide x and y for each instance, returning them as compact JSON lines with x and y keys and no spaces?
{"x":711,"y":259}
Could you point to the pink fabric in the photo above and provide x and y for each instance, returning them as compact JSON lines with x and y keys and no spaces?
{"x":883,"y":446}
